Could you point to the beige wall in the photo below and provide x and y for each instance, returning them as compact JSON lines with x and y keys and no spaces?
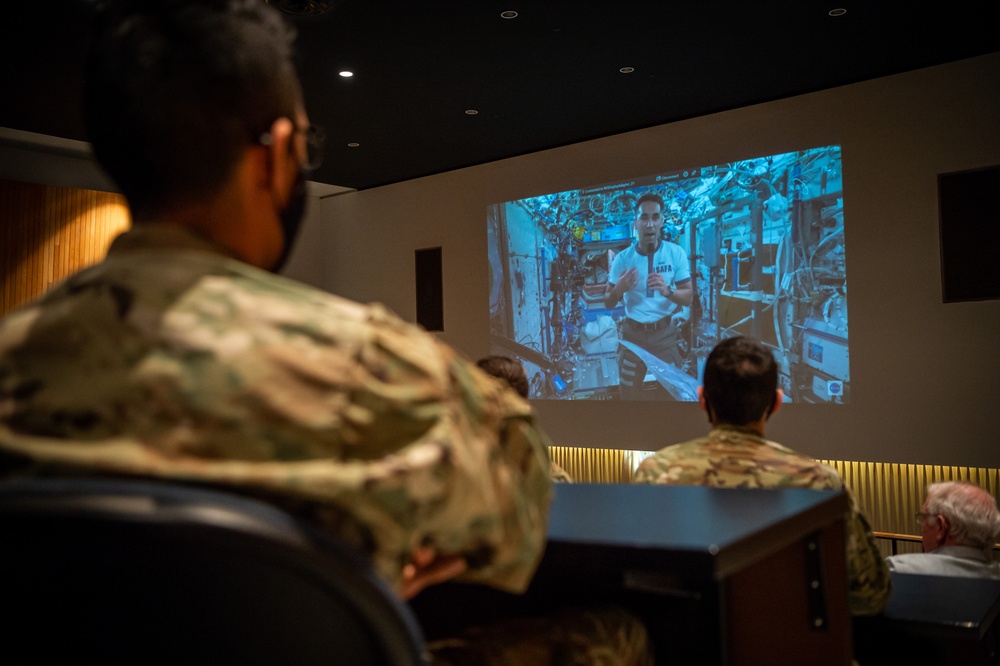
{"x":925,"y":375}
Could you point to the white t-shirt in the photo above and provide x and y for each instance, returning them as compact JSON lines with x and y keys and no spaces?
{"x":670,"y":260}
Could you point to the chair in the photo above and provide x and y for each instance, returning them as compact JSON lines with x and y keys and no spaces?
{"x":111,"y":571}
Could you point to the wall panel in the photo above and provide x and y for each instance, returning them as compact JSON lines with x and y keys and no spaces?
{"x":48,"y":232}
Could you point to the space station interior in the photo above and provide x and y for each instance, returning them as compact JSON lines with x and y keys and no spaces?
{"x":765,"y":242}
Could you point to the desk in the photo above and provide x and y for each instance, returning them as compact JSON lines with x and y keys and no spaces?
{"x":934,"y":620}
{"x":720,"y":576}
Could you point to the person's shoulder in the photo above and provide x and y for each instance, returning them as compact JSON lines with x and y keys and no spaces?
{"x":291,"y":298}
{"x":674,"y":248}
{"x":625,"y":254}
{"x":946,"y":561}
{"x":695,"y":447}
{"x":792,"y":453}
{"x":800,"y":465}
{"x":684,"y":463}
{"x":288,"y":316}
{"x":915,"y":563}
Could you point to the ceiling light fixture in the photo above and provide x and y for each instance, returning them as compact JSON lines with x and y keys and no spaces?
{"x":837,"y":12}
{"x":508,"y":14}
{"x":346,"y":73}
{"x":471,"y":112}
{"x":627,"y":70}
{"x":353,"y":144}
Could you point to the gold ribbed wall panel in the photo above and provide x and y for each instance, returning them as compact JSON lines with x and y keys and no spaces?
{"x":890,"y":494}
{"x":49,"y":232}
{"x":597,"y":465}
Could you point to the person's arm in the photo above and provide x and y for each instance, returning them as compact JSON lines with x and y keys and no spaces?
{"x":614,"y":292}
{"x":682,"y":294}
{"x":869,"y":582}
{"x":442,"y":466}
{"x":612,"y":296}
{"x":477,"y":493}
{"x":659,"y":469}
{"x":683,"y":287}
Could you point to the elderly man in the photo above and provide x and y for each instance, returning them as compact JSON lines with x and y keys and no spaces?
{"x":740,"y":394}
{"x":959,"y":524}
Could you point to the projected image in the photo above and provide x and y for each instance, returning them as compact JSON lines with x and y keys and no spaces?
{"x":620,"y":291}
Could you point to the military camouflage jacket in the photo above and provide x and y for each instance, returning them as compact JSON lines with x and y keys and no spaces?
{"x":171,"y":360}
{"x":734,"y":458}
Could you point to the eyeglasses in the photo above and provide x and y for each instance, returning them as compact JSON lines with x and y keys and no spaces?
{"x":922,"y":517}
{"x":315,"y":142}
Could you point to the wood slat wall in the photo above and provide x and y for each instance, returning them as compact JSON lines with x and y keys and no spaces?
{"x":48,"y":232}
{"x":891,"y":494}
{"x":597,"y":465}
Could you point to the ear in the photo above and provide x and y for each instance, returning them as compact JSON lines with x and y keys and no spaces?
{"x":943,"y":529}
{"x":701,"y":398}
{"x":281,"y":161}
{"x":779,"y":400}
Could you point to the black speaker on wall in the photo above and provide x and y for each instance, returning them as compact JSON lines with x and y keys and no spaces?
{"x":969,"y":216}
{"x":430,"y":290}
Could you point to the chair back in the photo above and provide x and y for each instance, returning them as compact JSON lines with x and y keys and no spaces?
{"x":98,"y":570}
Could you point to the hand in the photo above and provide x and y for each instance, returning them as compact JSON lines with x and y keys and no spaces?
{"x":656,"y":282}
{"x":629,"y":279}
{"x":428,"y":568}
{"x":615,"y":291}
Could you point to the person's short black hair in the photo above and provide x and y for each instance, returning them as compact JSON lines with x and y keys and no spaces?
{"x":174,"y":90}
{"x":649,"y":196}
{"x":508,"y":369}
{"x":740,"y":381}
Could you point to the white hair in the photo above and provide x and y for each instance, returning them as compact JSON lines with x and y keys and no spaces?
{"x":971,"y":512}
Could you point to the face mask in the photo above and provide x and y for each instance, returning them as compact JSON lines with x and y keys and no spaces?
{"x":291,"y":218}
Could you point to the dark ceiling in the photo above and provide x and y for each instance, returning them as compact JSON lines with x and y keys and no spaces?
{"x":549,"y":77}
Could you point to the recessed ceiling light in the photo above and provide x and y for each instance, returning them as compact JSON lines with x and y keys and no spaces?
{"x":471,"y":112}
{"x":837,"y":12}
{"x":508,"y":14}
{"x":627,"y":70}
{"x":346,"y":73}
{"x":353,"y":144}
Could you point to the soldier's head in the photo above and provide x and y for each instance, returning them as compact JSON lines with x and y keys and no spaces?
{"x":176,"y":91}
{"x":507,"y":369}
{"x":958,"y":513}
{"x":740,"y":383}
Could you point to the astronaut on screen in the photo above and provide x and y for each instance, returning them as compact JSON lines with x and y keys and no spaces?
{"x":653,"y":276}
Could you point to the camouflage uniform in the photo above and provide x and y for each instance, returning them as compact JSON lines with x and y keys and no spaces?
{"x":171,"y":360}
{"x":731,"y":457}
